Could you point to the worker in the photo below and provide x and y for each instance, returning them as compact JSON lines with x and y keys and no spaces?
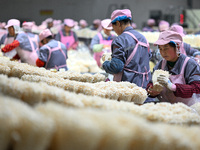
{"x":185,"y":48}
{"x":26,"y":50}
{"x":52,"y":54}
{"x":101,"y":43}
{"x":67,"y":36}
{"x":27,"y":27}
{"x":130,"y":51}
{"x":150,"y":26}
{"x":163,"y":25}
{"x":9,"y":36}
{"x":2,"y":29}
{"x":83,"y":24}
{"x":134,"y":25}
{"x":184,"y":80}
{"x":96,"y":25}
{"x":49,"y":23}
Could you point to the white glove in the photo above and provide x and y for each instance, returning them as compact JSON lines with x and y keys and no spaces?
{"x":166,"y":82}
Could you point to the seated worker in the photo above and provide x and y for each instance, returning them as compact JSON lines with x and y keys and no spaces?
{"x":184,"y":80}
{"x":52,"y":54}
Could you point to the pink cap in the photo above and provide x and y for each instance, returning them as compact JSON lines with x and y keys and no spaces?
{"x":2,"y":25}
{"x":12,"y":22}
{"x":97,"y":21}
{"x":69,"y":22}
{"x":166,"y":36}
{"x":134,"y":25}
{"x":150,"y":22}
{"x":48,"y":20}
{"x":105,"y":23}
{"x":178,"y":29}
{"x":45,"y":33}
{"x":119,"y":13}
{"x":27,"y":25}
{"x":83,"y":22}
{"x":163,"y":25}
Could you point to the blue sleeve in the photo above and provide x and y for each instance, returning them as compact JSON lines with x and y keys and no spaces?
{"x":192,"y":71}
{"x":75,"y":37}
{"x":58,"y":37}
{"x":196,"y":53}
{"x":95,"y":40}
{"x":22,"y":37}
{"x":64,"y":49}
{"x":189,"y":50}
{"x":114,"y":66}
{"x":43,"y":53}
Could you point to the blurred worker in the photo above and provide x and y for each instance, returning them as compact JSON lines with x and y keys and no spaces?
{"x":134,"y":25}
{"x":67,"y":36}
{"x":163,"y":25}
{"x":27,"y":27}
{"x":184,"y":80}
{"x":52,"y":54}
{"x":83,"y":24}
{"x":185,"y":48}
{"x":150,"y":26}
{"x":9,"y":36}
{"x":101,"y":43}
{"x":96,"y":25}
{"x":26,"y":50}
{"x":130,"y":51}
{"x":2,"y":29}
{"x":49,"y":22}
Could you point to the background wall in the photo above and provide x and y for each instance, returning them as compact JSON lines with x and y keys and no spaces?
{"x":39,"y":10}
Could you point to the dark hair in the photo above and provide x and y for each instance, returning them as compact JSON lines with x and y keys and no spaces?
{"x":48,"y":38}
{"x":125,"y":21}
{"x":172,"y":45}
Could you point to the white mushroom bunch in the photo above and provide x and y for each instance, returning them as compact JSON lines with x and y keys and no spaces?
{"x":156,"y":85}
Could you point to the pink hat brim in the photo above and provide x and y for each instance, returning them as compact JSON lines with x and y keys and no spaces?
{"x":7,"y":26}
{"x":161,"y":42}
{"x":110,"y":24}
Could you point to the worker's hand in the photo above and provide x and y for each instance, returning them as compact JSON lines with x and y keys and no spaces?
{"x":3,"y":49}
{"x":166,"y":82}
{"x":152,"y":92}
{"x":2,"y":46}
{"x":106,"y":57}
{"x":98,"y":47}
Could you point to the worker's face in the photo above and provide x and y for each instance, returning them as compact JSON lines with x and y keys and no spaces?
{"x":43,"y":42}
{"x":107,"y":32}
{"x":168,"y":52}
{"x":95,"y":26}
{"x":67,"y":28}
{"x":11,"y":31}
{"x":117,"y":27}
{"x":49,"y":25}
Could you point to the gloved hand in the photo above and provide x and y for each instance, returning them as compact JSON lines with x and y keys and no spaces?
{"x":166,"y":82}
{"x":98,"y":47}
{"x":106,"y":57}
